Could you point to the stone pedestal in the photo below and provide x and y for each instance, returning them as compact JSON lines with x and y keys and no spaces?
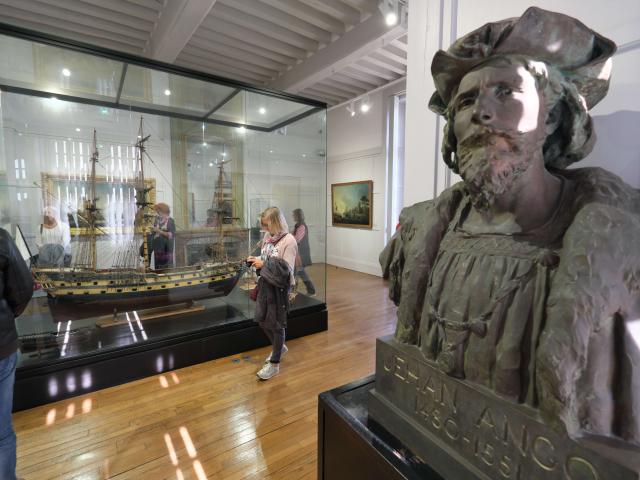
{"x":467,"y":432}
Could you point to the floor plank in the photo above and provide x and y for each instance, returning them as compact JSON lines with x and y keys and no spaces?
{"x":213,"y":420}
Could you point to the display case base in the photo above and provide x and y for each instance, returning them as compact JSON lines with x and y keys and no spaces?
{"x":65,"y":378}
{"x":350,"y":446}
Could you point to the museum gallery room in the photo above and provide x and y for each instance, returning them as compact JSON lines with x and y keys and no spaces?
{"x":319,"y":239}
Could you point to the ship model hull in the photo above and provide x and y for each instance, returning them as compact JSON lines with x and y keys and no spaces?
{"x":75,"y":294}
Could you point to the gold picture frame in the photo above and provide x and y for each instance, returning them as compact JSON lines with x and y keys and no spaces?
{"x":352,"y":204}
{"x":54,"y":186}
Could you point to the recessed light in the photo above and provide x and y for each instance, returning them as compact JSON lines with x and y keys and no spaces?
{"x":139,"y":136}
{"x":211,"y":164}
{"x":262,"y":110}
{"x":224,"y":154}
{"x":304,"y":155}
{"x":242,"y":129}
{"x":77,"y":129}
{"x":167,"y":92}
{"x":66,"y":72}
{"x":391,"y":18}
{"x":204,"y":144}
{"x":270,"y":151}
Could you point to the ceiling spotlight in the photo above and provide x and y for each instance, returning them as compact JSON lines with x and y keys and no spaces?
{"x":204,"y":144}
{"x":351,"y":108}
{"x":167,"y":92}
{"x":77,"y":129}
{"x":211,"y":164}
{"x":66,"y":72}
{"x":391,"y":18}
{"x":262,"y":110}
{"x":365,"y":105}
{"x":270,"y":151}
{"x":393,"y":11}
{"x":304,"y":155}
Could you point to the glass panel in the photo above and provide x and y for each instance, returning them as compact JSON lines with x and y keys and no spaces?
{"x":144,"y":87}
{"x":57,"y":71}
{"x":112,"y":270}
{"x":259,"y":110}
{"x":288,"y":169}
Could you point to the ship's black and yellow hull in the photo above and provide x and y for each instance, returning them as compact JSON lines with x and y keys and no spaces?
{"x":78,"y":294}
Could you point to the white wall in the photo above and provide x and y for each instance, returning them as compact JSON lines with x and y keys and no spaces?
{"x":356,"y":148}
{"x":434,"y":24}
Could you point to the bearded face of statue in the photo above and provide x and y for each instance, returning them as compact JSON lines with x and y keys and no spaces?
{"x":499,"y":124}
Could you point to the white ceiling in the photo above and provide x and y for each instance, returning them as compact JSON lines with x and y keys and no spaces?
{"x":329,"y":50}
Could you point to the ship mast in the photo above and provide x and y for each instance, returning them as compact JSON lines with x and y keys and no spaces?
{"x":141,"y":197}
{"x":219,"y":250}
{"x":91,"y":208}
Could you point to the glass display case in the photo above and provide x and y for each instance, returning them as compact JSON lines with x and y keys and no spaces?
{"x":133,"y":190}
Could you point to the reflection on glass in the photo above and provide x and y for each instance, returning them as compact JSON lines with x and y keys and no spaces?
{"x":167,"y":92}
{"x":87,"y":208}
{"x":56,"y":70}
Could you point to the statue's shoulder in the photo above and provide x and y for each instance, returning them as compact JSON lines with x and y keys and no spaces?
{"x":597,"y":186}
{"x":440,"y":209}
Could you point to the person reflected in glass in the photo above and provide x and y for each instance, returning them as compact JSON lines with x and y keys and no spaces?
{"x":16,"y":288}
{"x":301,"y":234}
{"x":275,"y":267}
{"x":53,"y":240}
{"x":162,"y":237}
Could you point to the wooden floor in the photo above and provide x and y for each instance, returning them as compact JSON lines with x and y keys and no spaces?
{"x":214,"y":420}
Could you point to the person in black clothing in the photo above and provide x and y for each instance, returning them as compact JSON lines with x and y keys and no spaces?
{"x":162,"y":238}
{"x":16,"y":288}
{"x":301,"y":234}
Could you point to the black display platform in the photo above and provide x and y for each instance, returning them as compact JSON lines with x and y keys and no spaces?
{"x":58,"y":377}
{"x":350,"y":446}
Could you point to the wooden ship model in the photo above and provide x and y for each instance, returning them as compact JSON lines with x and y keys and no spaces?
{"x":130,"y":283}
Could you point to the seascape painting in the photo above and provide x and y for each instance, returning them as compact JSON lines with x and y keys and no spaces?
{"x":351,"y":204}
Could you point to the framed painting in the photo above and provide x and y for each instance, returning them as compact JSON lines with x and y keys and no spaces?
{"x":352,"y":204}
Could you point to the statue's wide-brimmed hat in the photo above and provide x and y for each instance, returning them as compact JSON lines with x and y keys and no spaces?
{"x":581,"y":54}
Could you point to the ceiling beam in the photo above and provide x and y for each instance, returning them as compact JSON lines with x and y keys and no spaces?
{"x":205,"y":34}
{"x":239,"y":55}
{"x":225,"y":59}
{"x":308,"y":14}
{"x":383,"y":62}
{"x":124,"y":8}
{"x":213,"y":64}
{"x":220,"y":71}
{"x":252,"y":37}
{"x":366,"y":67}
{"x":331,"y":98}
{"x":385,"y":53}
{"x":59,"y":15}
{"x":326,"y":87}
{"x":270,"y":29}
{"x":82,"y":32}
{"x":178,"y":22}
{"x":345,"y":87}
{"x":336,"y":8}
{"x":278,"y":17}
{"x":364,"y":77}
{"x":91,"y":11}
{"x":358,"y":42}
{"x":343,"y":78}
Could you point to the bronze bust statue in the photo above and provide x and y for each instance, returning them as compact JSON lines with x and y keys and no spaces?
{"x":525,"y":277}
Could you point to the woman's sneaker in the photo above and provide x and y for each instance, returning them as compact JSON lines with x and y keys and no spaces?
{"x":284,"y":350}
{"x":268,"y":370}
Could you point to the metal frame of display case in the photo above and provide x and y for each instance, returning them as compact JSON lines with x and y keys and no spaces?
{"x":63,"y":378}
{"x":128,"y":59}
